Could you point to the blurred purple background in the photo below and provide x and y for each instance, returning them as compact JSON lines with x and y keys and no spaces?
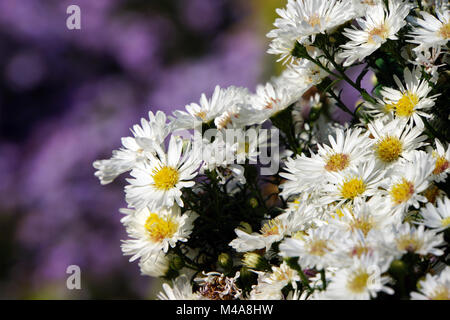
{"x":66,"y":98}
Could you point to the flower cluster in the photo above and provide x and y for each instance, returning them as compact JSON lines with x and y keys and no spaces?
{"x":357,"y":211}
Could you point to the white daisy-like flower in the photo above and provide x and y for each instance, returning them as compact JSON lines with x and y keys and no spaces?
{"x":150,"y":132}
{"x":442,"y":158}
{"x":404,"y":187}
{"x":362,"y":6}
{"x":207,"y":110}
{"x":273,"y":230}
{"x":301,"y":20}
{"x":378,"y":26}
{"x":155,"y":232}
{"x":356,"y":244}
{"x":283,"y":47}
{"x":395,"y":140}
{"x":158,"y":181}
{"x":311,"y":17}
{"x":437,"y":217}
{"x":410,"y":103}
{"x":270,"y":284}
{"x":434,"y":287}
{"x":432,"y":30}
{"x":364,"y":217}
{"x":361,"y":281}
{"x":283,"y":275}
{"x":353,"y":184}
{"x":427,"y":57}
{"x":306,"y":72}
{"x":156,"y":265}
{"x":346,"y":150}
{"x":313,"y":250}
{"x":271,"y":99}
{"x":181,"y":290}
{"x":266,"y":291}
{"x":409,"y":239}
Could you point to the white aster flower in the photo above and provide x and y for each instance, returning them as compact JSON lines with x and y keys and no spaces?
{"x":158,"y":181}
{"x":361,"y":281}
{"x":271,"y":99}
{"x":437,"y":217}
{"x":436,"y":287}
{"x":156,"y":265}
{"x":353,"y":184}
{"x":346,"y":150}
{"x":362,"y":6}
{"x":273,"y":230}
{"x":427,"y":57}
{"x":181,"y":290}
{"x":378,"y":26}
{"x":408,"y":239}
{"x":155,"y":232}
{"x":270,"y":284}
{"x":150,"y":132}
{"x":301,"y":20}
{"x":356,"y":244}
{"x":395,"y":140}
{"x":442,"y":158}
{"x":266,"y":291}
{"x":306,"y":72}
{"x":432,"y":30}
{"x":207,"y":110}
{"x":313,"y":249}
{"x":404,"y":188}
{"x":410,"y":103}
{"x":364,"y":217}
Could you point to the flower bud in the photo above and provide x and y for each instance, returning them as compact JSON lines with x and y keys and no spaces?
{"x":246,"y":277}
{"x":397,"y":268}
{"x":176,"y":263}
{"x":246,"y":227}
{"x":224,"y":260}
{"x":253,"y":202}
{"x":255,"y":261}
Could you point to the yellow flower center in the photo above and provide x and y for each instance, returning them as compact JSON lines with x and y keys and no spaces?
{"x":201,"y":115}
{"x":444,"y":31}
{"x":378,"y":32}
{"x":314,"y":20}
{"x":440,"y":293}
{"x":359,"y":251}
{"x":405,"y":106}
{"x":318,"y":247}
{"x":389,"y":149}
{"x":388,"y":107}
{"x":279,"y":274}
{"x":363,"y":224}
{"x":299,"y":235}
{"x":165,"y":178}
{"x":358,"y":282}
{"x":442,"y":164}
{"x":402,"y":191}
{"x":160,"y":228}
{"x":352,"y":188}
{"x":445,"y":222}
{"x":337,"y":162}
{"x":270,"y":228}
{"x":409,"y":243}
